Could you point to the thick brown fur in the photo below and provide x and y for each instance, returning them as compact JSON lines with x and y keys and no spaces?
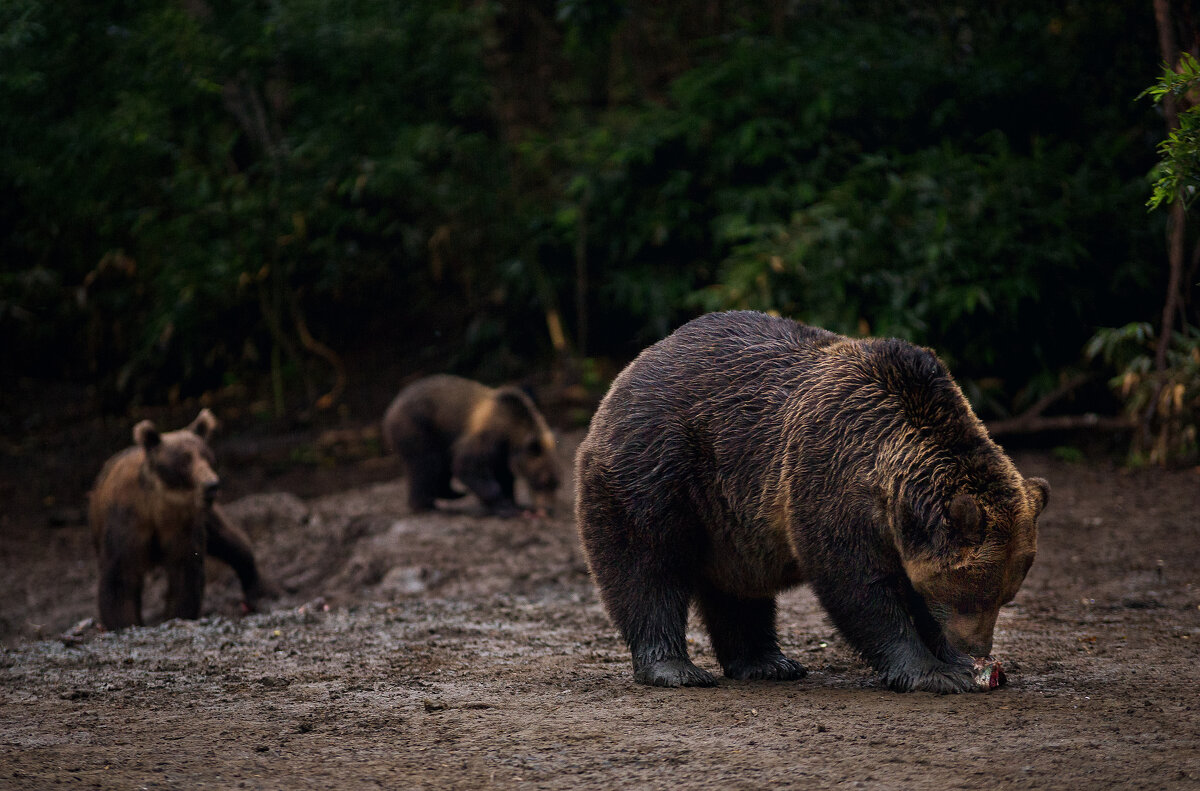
{"x":745,"y":454}
{"x":448,"y":427}
{"x":153,"y":505}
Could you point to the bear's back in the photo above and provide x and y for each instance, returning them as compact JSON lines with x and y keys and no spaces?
{"x":442,"y":401}
{"x":703,"y":406}
{"x":732,"y":398}
{"x":715,"y":357}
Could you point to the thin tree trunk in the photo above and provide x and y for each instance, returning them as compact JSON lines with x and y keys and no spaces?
{"x":1175,"y":243}
{"x":581,"y":276}
{"x":1177,"y":225}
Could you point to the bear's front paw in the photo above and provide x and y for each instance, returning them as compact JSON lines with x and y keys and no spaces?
{"x":673,"y":673}
{"x":768,"y":668}
{"x":941,"y":678}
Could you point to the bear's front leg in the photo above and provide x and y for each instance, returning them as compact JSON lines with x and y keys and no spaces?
{"x":228,"y":542}
{"x":874,"y":618}
{"x":122,"y":570}
{"x":120,"y":592}
{"x":930,"y":631}
{"x":477,"y":471}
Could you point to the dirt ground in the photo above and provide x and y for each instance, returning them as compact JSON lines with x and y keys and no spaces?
{"x":457,"y":651}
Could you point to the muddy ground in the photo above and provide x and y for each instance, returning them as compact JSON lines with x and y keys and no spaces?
{"x":457,"y":651}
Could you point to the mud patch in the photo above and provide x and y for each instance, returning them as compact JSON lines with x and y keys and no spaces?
{"x":453,"y":651}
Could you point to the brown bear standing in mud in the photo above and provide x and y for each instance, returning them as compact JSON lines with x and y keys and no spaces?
{"x":745,"y":454}
{"x":153,"y":505}
{"x":448,"y":427}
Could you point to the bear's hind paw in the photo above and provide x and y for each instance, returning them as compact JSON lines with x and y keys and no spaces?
{"x":673,"y":673}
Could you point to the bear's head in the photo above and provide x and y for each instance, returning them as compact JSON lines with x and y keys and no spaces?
{"x":972,"y":555}
{"x":532,"y":453}
{"x":179,"y":464}
{"x":536,"y":460}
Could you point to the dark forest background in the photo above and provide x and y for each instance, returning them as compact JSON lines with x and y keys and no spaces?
{"x":198,"y":195}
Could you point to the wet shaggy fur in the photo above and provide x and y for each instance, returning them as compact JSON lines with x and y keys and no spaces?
{"x":153,"y":505}
{"x":745,"y":454}
{"x":448,"y":427}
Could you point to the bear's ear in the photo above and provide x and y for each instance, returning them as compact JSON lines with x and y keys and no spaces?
{"x":146,"y":435}
{"x":965,"y":519}
{"x":204,"y":424}
{"x":1039,"y":493}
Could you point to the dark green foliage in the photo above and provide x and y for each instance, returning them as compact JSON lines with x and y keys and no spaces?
{"x":251,"y":163}
{"x":872,"y":175}
{"x":1159,"y":382}
{"x":195,"y":186}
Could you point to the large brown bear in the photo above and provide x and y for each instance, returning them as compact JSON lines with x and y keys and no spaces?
{"x":448,"y":427}
{"x":153,"y":505}
{"x":745,"y":454}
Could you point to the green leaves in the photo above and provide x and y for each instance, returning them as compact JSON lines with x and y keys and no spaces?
{"x":929,"y":172}
{"x":1164,"y":406}
{"x":1177,"y":174}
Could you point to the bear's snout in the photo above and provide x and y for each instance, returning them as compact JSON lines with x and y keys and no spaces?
{"x":972,"y":634}
{"x":210,"y":490}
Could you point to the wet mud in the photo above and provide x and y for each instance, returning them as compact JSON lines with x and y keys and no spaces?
{"x":452,"y":650}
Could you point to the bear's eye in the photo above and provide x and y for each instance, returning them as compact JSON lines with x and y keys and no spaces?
{"x":533,"y":448}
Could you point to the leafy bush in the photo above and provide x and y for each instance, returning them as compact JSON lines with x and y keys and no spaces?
{"x":798,"y":175}
{"x":1177,"y":173}
{"x":203,"y":192}
{"x":1160,"y":384}
{"x":255,"y":164}
{"x":1164,"y":405}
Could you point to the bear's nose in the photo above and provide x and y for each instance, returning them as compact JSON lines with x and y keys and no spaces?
{"x":210,"y":490}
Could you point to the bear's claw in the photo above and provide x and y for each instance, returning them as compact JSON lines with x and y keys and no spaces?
{"x":770,"y":668}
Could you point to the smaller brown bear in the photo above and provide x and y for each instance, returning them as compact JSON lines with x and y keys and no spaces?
{"x":447,"y":427}
{"x":153,"y":505}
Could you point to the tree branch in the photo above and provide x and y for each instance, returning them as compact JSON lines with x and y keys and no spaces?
{"x":1037,"y":425}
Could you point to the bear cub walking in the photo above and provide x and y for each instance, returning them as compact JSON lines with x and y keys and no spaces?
{"x":745,"y":454}
{"x":448,"y":427}
{"x":153,"y":505}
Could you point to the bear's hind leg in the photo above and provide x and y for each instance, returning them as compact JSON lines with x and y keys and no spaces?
{"x":428,"y":478}
{"x":744,"y":638}
{"x":652,"y":616}
{"x":646,"y":585}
